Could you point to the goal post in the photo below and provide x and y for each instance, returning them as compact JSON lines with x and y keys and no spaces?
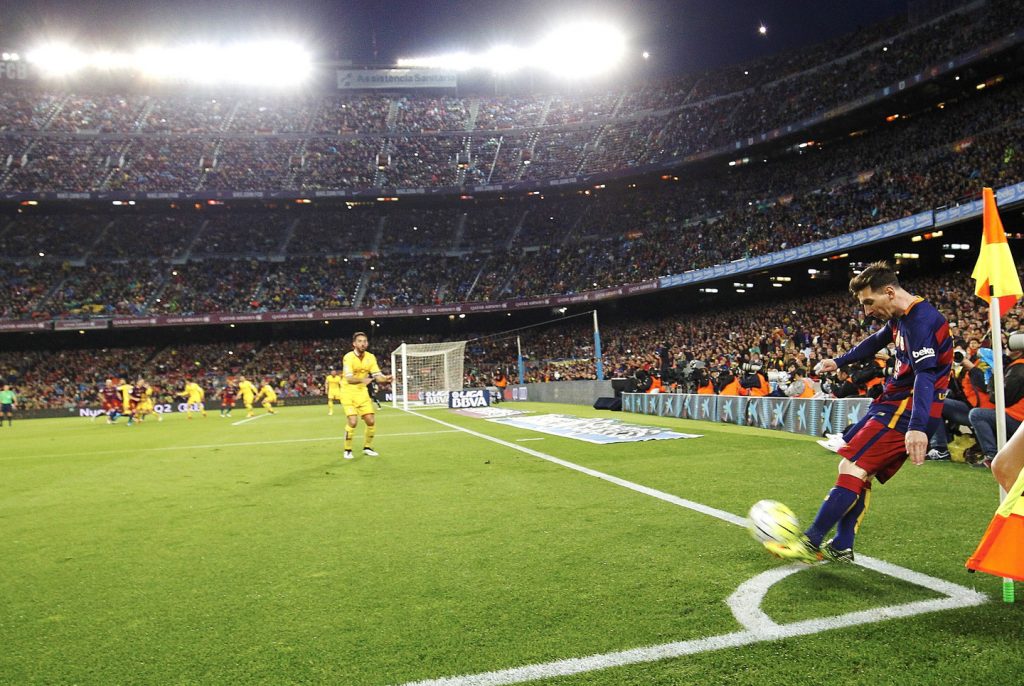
{"x":421,"y":368}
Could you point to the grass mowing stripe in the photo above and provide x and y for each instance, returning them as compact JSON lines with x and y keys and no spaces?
{"x":229,"y":445}
{"x":654,"y":493}
{"x":745,"y":602}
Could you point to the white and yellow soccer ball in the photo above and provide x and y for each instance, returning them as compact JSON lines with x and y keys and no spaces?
{"x":770,"y":520}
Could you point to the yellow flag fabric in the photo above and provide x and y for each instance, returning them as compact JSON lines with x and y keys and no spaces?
{"x":995,"y":267}
{"x":1001,"y":551}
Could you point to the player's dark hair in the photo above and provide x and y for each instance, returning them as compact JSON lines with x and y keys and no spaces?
{"x":357,"y":334}
{"x":875,"y":276}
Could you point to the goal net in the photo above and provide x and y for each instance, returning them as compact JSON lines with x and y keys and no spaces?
{"x":425,"y":372}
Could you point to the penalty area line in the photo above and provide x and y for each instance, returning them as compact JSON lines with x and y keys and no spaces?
{"x":745,"y":603}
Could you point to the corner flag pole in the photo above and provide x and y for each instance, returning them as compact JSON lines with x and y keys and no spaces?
{"x":597,"y":349}
{"x":999,"y":285}
{"x":995,"y":324}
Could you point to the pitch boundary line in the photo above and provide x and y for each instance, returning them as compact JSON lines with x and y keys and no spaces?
{"x":745,"y":602}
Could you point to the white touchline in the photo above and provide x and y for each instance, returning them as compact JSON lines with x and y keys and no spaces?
{"x":745,"y":602}
{"x":524,"y":440}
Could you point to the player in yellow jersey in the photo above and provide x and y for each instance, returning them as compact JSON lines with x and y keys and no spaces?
{"x":359,"y":370}
{"x":332,"y":386}
{"x":248,"y":392}
{"x":146,"y":406}
{"x":194,"y":397}
{"x":126,"y":400}
{"x":268,"y":395}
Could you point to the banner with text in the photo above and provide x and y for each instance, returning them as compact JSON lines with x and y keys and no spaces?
{"x":591,"y":429}
{"x":358,"y":79}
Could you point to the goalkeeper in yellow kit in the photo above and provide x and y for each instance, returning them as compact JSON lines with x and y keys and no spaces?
{"x":359,"y":370}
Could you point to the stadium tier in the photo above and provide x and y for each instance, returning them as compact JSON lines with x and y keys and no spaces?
{"x":168,"y":257}
{"x":80,"y":142}
{"x":138,"y":262}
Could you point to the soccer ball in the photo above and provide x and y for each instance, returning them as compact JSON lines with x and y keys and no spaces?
{"x":770,"y":520}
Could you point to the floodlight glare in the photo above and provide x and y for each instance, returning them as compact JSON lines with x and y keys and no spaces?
{"x":504,"y":59}
{"x":581,"y":49}
{"x":455,"y":61}
{"x":56,"y":59}
{"x":268,"y":63}
{"x":578,"y":49}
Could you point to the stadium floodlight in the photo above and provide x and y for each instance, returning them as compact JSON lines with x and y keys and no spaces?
{"x":504,"y":59}
{"x":577,"y":49}
{"x":264,"y":63}
{"x":56,"y":59}
{"x":454,"y":61}
{"x":581,"y":49}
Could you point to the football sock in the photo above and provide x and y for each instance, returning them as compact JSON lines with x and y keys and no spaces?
{"x":840,"y":499}
{"x":350,"y":432}
{"x":850,"y":523}
{"x":371,"y":431}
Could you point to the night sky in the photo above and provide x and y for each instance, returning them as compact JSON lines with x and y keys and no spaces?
{"x":681,"y":35}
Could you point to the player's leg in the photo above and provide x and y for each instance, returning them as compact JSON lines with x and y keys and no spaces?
{"x":330,"y":406}
{"x":248,"y":406}
{"x":874,"y":450}
{"x":351,"y":419}
{"x":371,"y":430}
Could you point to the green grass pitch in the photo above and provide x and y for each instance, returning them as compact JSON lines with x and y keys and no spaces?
{"x":216,"y":552}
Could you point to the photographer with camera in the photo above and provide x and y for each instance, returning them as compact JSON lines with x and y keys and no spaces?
{"x":983,"y":421}
{"x":754,"y":379}
{"x":956,"y":406}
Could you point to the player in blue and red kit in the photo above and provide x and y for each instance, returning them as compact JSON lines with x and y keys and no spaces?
{"x":897,"y":424}
{"x":227,"y":399}
{"x":111,"y":400}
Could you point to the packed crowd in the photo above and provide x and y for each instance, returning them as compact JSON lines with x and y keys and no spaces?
{"x":384,"y":255}
{"x":788,"y":335}
{"x":248,"y":143}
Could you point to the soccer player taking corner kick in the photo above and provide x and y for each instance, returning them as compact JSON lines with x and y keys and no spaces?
{"x":359,"y":370}
{"x":897,"y":424}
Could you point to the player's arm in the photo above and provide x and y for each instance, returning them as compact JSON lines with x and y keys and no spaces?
{"x":864,"y":350}
{"x":924,"y":355}
{"x":377,"y":375}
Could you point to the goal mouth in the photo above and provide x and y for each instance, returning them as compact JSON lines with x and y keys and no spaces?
{"x":425,"y":373}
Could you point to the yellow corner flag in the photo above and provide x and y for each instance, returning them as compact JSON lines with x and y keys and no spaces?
{"x":1001,"y":551}
{"x":995,"y":265}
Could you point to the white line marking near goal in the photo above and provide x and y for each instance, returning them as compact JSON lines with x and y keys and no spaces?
{"x":745,"y":602}
{"x":523,"y":440}
{"x":250,"y":419}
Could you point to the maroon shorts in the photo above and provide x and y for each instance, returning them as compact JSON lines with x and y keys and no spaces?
{"x":877,"y":449}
